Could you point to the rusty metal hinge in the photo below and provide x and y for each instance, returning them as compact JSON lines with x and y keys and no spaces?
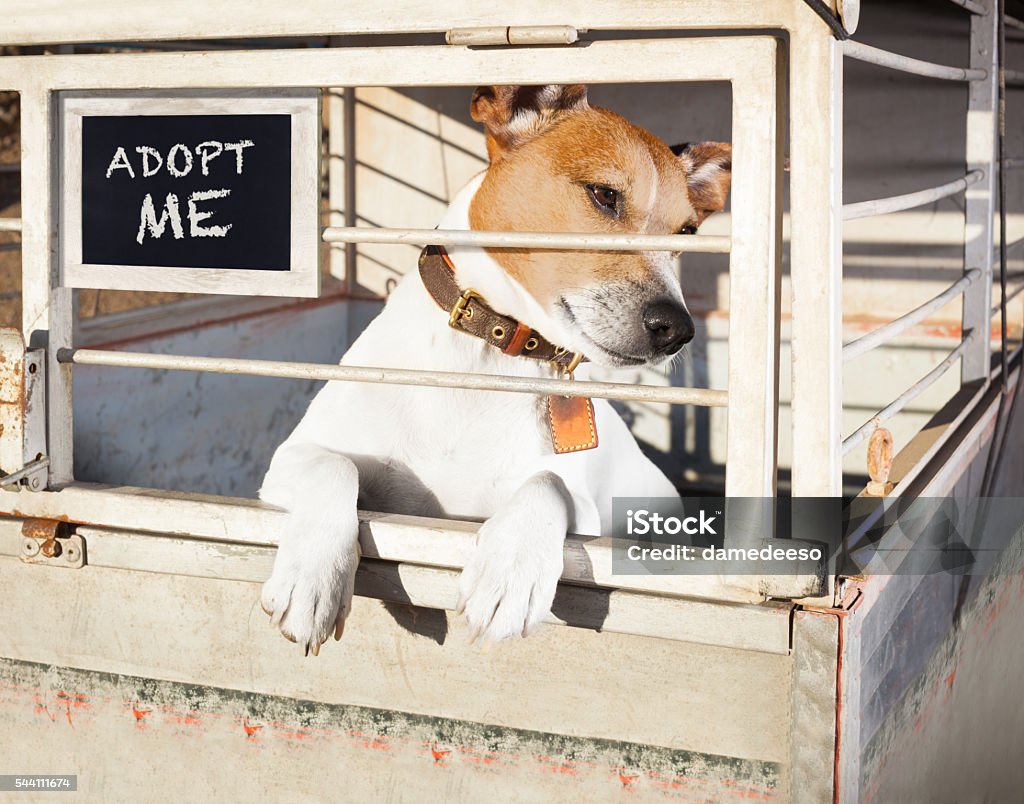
{"x":513,"y":35}
{"x":49,"y":542}
{"x":23,"y":461}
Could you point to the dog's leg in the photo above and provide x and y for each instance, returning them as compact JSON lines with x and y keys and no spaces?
{"x":508,"y":585}
{"x":309,"y":593}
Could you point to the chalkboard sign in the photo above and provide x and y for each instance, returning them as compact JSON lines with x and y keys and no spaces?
{"x":190,"y":191}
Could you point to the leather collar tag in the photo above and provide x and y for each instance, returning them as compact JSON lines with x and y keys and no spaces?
{"x":572,"y":423}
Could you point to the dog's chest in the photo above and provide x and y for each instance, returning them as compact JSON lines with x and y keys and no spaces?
{"x":473,"y":451}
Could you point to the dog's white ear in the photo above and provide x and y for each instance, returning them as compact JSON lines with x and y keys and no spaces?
{"x":514,"y":114}
{"x":708,"y":174}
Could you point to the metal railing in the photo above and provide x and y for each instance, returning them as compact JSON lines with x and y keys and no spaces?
{"x":977,"y":278}
{"x":709,"y":244}
{"x":906,"y":64}
{"x":887,"y":333}
{"x":970,"y":5}
{"x":388,"y":376}
{"x":899,"y":203}
{"x":861,"y":433}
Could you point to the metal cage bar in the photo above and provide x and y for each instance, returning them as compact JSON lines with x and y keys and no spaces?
{"x":1010,"y":294}
{"x":906,"y":64}
{"x":897,"y":326}
{"x":439,"y":379}
{"x":708,"y":244}
{"x":10,"y":224}
{"x":970,"y":5}
{"x":914,"y":391}
{"x":898,"y":203}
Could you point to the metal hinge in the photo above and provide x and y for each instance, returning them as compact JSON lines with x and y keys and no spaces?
{"x":23,"y":461}
{"x":47,"y":541}
{"x":513,"y":35}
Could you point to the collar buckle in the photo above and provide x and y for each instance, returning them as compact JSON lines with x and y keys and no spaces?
{"x":566,"y":368}
{"x":460,"y":310}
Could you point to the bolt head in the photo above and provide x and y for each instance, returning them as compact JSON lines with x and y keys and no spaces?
{"x":29,"y":547}
{"x":51,"y":548}
{"x":34,"y":483}
{"x":71,"y":554}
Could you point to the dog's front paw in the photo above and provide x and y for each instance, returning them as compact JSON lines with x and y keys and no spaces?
{"x":309,"y":593}
{"x":507,"y":587}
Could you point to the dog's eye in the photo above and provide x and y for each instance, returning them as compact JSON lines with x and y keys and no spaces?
{"x":604,"y":197}
{"x":688,"y":229}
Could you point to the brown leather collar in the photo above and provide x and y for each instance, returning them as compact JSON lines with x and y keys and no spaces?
{"x":470,"y":313}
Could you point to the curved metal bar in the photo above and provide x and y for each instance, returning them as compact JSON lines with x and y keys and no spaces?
{"x":711,"y":244}
{"x":900,"y":402}
{"x":897,"y":326}
{"x":970,"y":5}
{"x":438,"y":379}
{"x":897,"y":203}
{"x":894,"y":61}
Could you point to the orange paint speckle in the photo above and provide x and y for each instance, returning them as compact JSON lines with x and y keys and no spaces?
{"x":439,"y":756}
{"x":250,"y":730}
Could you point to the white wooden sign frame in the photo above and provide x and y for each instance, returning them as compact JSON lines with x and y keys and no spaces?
{"x":302,"y":105}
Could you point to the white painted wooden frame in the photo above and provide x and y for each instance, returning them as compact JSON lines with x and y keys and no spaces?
{"x":749,"y":64}
{"x":301,"y":105}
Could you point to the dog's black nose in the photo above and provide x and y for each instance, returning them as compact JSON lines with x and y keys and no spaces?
{"x":669,"y":325}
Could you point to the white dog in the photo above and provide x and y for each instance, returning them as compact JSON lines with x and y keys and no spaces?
{"x":556,"y":164}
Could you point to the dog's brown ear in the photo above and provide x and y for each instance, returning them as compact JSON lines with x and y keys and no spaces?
{"x":708,"y":174}
{"x":514,"y":114}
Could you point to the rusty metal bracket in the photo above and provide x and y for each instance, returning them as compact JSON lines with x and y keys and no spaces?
{"x":880,"y":449}
{"x":23,"y":462}
{"x":49,"y":542}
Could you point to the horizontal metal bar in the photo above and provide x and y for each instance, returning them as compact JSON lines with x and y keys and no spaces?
{"x":897,"y":326}
{"x":897,"y":203}
{"x":970,"y":5}
{"x":10,"y":224}
{"x":10,"y":246}
{"x":712,"y":244}
{"x":437,"y":379}
{"x":915,"y":390}
{"x":894,"y":61}
{"x":1014,"y":163}
{"x":1014,"y":78}
{"x":1010,"y":296}
{"x":1013,"y":22}
{"x":10,"y":167}
{"x":1009,"y":247}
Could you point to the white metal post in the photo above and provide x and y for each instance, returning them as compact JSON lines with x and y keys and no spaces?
{"x":341,"y":196}
{"x":980,"y":198}
{"x":46,"y":306}
{"x":754,"y":270}
{"x":816,"y":243}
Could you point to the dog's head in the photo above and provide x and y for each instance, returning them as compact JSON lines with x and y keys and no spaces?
{"x":559,"y":164}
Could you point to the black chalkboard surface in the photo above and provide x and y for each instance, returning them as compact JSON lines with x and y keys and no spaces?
{"x":193,"y":191}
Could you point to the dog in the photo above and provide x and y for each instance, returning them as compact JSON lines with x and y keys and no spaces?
{"x":556,"y":164}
